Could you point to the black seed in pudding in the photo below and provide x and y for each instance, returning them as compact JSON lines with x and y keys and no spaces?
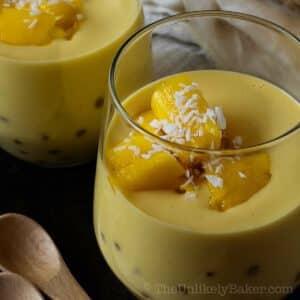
{"x":117,"y":246}
{"x":18,"y":142}
{"x":198,"y":168}
{"x":179,"y":191}
{"x":145,"y":295}
{"x":103,"y":237}
{"x":3,"y":119}
{"x":54,"y":152}
{"x":297,"y":278}
{"x":80,"y":132}
{"x":137,"y":271}
{"x":253,"y":270}
{"x":210,"y":274}
{"x":45,"y":137}
{"x":99,"y":102}
{"x":182,"y":289}
{"x":226,"y":142}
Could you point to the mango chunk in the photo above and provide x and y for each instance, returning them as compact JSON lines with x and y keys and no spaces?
{"x":17,"y":27}
{"x":164,"y":97}
{"x":184,"y":115}
{"x":138,"y":164}
{"x":162,"y":171}
{"x":145,"y":121}
{"x":33,"y":24}
{"x":127,"y":151}
{"x":66,"y":17}
{"x":232,"y":181}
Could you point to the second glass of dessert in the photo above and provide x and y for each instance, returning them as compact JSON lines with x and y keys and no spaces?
{"x":197,"y":186}
{"x":54,"y":62}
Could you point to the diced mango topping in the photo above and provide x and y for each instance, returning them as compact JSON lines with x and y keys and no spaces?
{"x":35,"y":22}
{"x":184,"y":116}
{"x":232,"y":181}
{"x":138,"y":164}
{"x":145,"y":120}
{"x":179,"y":113}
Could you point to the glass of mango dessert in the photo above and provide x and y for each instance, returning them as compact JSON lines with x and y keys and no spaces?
{"x":54,"y":61}
{"x":197,"y":186}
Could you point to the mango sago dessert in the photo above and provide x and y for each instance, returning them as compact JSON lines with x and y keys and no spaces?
{"x":180,"y":113}
{"x":195,"y":191}
{"x":54,"y":61}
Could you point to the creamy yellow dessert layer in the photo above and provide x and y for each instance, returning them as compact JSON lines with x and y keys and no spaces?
{"x":51,"y":96}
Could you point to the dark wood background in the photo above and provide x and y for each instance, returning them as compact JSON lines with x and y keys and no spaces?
{"x":61,"y":200}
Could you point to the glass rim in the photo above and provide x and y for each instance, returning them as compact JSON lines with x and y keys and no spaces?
{"x":182,"y":16}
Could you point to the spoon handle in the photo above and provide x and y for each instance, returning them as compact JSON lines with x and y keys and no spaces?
{"x":13,"y":286}
{"x":63,"y":286}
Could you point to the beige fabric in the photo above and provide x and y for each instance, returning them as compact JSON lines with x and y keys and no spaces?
{"x":283,"y":12}
{"x":287,"y":15}
{"x":242,"y":47}
{"x":250,"y":48}
{"x":157,"y":9}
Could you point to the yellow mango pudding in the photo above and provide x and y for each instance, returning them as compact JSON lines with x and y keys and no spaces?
{"x":54,"y":61}
{"x":198,"y":173}
{"x":175,"y":223}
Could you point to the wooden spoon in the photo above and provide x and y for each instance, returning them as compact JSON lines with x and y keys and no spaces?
{"x":27,"y":249}
{"x":14,"y":287}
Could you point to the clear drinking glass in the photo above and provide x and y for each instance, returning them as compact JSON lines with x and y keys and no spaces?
{"x":52,"y":95}
{"x":250,"y":251}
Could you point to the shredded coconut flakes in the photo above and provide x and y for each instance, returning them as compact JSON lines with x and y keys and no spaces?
{"x":155,"y":149}
{"x":215,"y":181}
{"x":140,"y":120}
{"x":219,"y":168}
{"x":33,"y":24}
{"x":134,"y":149}
{"x":237,"y":141}
{"x":190,"y":195}
{"x":120,"y":148}
{"x":221,"y":120}
{"x":188,"y":182}
{"x":242,"y":175}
